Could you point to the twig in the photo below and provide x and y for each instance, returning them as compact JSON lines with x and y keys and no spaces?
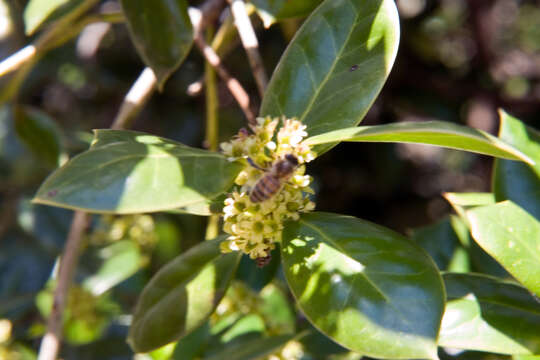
{"x":27,"y":53}
{"x":212,"y":123}
{"x":51,"y":341}
{"x":250,"y":43}
{"x":135,"y":99}
{"x":238,"y":92}
{"x":133,"y":102}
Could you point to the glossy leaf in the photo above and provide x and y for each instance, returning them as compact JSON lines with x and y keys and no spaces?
{"x":162,"y":33}
{"x":37,"y":12}
{"x":461,"y":202}
{"x":512,"y":237}
{"x":487,"y":314}
{"x":515,"y":181}
{"x":181,"y":296}
{"x":480,"y":260}
{"x":133,"y":172}
{"x":271,"y":11}
{"x":39,"y":133}
{"x":335,"y":66}
{"x":252,"y":349}
{"x":439,"y":133}
{"x":366,"y":287}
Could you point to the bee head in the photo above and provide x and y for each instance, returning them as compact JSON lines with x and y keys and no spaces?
{"x":293,"y":160}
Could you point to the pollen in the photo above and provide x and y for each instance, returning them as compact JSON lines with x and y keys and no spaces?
{"x":254,"y":228}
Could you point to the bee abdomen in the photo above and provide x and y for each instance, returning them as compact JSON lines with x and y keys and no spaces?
{"x":264,"y":189}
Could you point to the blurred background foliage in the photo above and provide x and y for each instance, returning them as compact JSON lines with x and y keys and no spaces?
{"x":458,"y":61}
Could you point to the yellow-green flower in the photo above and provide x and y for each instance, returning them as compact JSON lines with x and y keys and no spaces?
{"x":255,"y":227}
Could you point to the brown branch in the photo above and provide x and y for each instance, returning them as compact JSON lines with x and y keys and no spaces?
{"x":234,"y":86}
{"x":50,"y":344}
{"x":133,"y":102}
{"x":250,"y":43}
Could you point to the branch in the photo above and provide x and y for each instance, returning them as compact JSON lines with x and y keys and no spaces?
{"x":27,"y":53}
{"x":238,"y":92}
{"x":250,"y":43}
{"x":134,"y":101}
{"x":68,"y":262}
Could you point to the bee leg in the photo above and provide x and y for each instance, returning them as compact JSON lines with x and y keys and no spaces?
{"x":252,"y":163}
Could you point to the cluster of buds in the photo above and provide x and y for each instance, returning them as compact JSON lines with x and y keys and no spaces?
{"x":255,"y":226}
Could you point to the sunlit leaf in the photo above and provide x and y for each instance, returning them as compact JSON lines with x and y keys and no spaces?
{"x":515,"y":181}
{"x":366,"y":287}
{"x":162,"y":33}
{"x":487,"y":314}
{"x":512,"y":237}
{"x":335,"y":66}
{"x":132,"y":172}
{"x":37,"y":12}
{"x":181,"y":296}
{"x":439,"y":133}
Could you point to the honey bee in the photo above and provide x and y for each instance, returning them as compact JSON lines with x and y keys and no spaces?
{"x":270,"y":183}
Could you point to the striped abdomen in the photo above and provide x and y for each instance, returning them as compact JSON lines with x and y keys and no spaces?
{"x":265,"y":188}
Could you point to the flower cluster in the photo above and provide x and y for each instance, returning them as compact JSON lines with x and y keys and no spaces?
{"x":254,"y":227}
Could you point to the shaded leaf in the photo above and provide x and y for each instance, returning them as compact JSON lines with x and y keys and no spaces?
{"x":39,"y":133}
{"x":271,"y":11}
{"x":364,"y":286}
{"x":515,"y":181}
{"x":443,"y":244}
{"x":162,"y":33}
{"x":335,"y":66}
{"x":132,"y":172}
{"x":487,"y":314}
{"x":439,"y":133}
{"x":181,"y":296}
{"x":253,"y":349}
{"x":512,"y":237}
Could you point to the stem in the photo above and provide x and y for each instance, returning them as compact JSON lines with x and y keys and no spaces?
{"x":212,"y":125}
{"x":250,"y":43}
{"x":237,"y":91}
{"x":133,"y":102}
{"x":27,"y":53}
{"x":51,"y":341}
{"x":135,"y":99}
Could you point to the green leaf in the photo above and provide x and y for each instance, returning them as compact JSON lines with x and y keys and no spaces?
{"x":37,"y":12}
{"x":39,"y":133}
{"x":335,"y":66}
{"x":162,"y":33}
{"x":487,"y":314}
{"x":366,"y":287}
{"x":122,"y":260}
{"x":512,"y":237}
{"x":132,"y":172}
{"x":181,"y":296}
{"x":515,"y":181}
{"x":271,"y":11}
{"x":461,"y":202}
{"x":439,"y":133}
{"x":252,"y":349}
{"x":442,"y":242}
